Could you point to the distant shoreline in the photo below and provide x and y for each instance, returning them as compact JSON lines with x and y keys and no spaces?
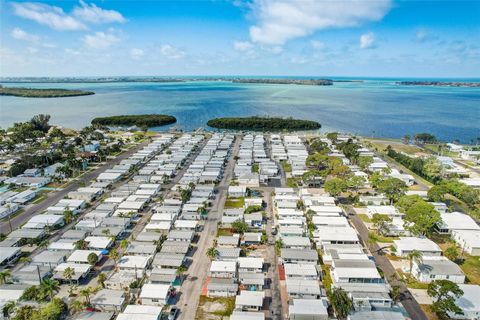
{"x":42,"y":93}
{"x":440,"y":84}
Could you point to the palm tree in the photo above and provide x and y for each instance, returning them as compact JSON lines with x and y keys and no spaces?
{"x":75,"y":306}
{"x":25,"y":260}
{"x":102,"y":277}
{"x":4,"y":276}
{"x":416,"y":256}
{"x":49,"y":287}
{"x":81,"y":244}
{"x":8,"y":309}
{"x":113,"y":254}
{"x":86,"y":292}
{"x":68,"y":216}
{"x":212,"y":253}
{"x":68,"y":274}
{"x":124,"y":244}
{"x":341,"y":302}
{"x":181,"y":271}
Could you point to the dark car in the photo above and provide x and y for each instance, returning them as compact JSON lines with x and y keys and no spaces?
{"x":172,"y":315}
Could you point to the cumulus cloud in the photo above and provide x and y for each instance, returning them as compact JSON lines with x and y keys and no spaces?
{"x":280,"y":21}
{"x":367,"y":41}
{"x":44,"y":14}
{"x":101,"y":40}
{"x":136,"y":53}
{"x":20,"y":34}
{"x":171,"y":52}
{"x":242,"y":46}
{"x":93,"y":14}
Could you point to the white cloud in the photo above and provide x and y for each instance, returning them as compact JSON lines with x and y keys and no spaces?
{"x":101,"y":40}
{"x":32,"y":50}
{"x":93,"y":14}
{"x":136,"y":53}
{"x":20,"y":34}
{"x":242,"y":45}
{"x":171,"y":52}
{"x":51,"y":16}
{"x":318,"y":45}
{"x":280,"y":21}
{"x":367,"y":41}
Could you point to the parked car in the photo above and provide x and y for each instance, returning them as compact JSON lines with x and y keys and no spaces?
{"x":172,"y":315}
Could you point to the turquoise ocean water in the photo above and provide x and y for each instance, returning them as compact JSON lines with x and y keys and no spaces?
{"x":376,"y":107}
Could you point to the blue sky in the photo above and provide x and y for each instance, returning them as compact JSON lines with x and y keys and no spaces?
{"x":385,"y":38}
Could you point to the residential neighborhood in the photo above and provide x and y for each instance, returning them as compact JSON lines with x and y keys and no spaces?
{"x":207,"y":225}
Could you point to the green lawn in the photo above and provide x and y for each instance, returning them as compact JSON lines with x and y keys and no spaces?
{"x":224,"y":232}
{"x":411,"y":282}
{"x":375,"y":237}
{"x":471,"y":268}
{"x":205,"y":305}
{"x":39,"y":199}
{"x":327,"y":279}
{"x":287,"y":167}
{"x":292,"y":183}
{"x":364,"y":218}
{"x":235,"y":203}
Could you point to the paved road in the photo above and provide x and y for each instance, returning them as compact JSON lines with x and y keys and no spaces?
{"x":198,"y":270}
{"x":407,"y":300}
{"x":54,"y":197}
{"x":276,"y":303}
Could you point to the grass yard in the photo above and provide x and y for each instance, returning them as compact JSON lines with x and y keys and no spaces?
{"x":235,"y":203}
{"x":397,"y":145}
{"x":214,"y":308}
{"x":471,"y":268}
{"x":364,"y":218}
{"x":411,"y":282}
{"x":327,"y":279}
{"x":224,"y":232}
{"x":287,"y":167}
{"x":375,"y":237}
{"x":292,"y":183}
{"x":39,"y":199}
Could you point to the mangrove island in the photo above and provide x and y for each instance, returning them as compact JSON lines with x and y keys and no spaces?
{"x":263,"y":124}
{"x":42,"y":93}
{"x":139,"y":120}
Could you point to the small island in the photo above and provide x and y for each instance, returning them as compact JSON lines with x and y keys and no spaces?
{"x":139,"y":120}
{"x":440,"y":84}
{"x":42,"y":93}
{"x":263,"y":124}
{"x":308,"y":82}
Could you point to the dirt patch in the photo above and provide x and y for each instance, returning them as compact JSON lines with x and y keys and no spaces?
{"x":210,"y":308}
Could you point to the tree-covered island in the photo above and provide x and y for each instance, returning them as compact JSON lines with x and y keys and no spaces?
{"x":139,"y":120}
{"x":42,"y":93}
{"x":311,"y":82}
{"x":263,"y":124}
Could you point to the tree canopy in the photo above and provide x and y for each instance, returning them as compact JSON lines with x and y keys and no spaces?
{"x":263,"y":124}
{"x":444,"y":294}
{"x":139,"y":120}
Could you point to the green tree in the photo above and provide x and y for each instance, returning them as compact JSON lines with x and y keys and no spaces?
{"x":355,"y":182}
{"x":393,"y":188}
{"x":341,"y":302}
{"x":40,"y":122}
{"x":26,"y":312}
{"x":380,"y":220}
{"x":92,"y":258}
{"x":114,"y":255}
{"x":444,"y":294}
{"x":335,"y":186}
{"x":68,"y":216}
{"x":240,"y":226}
{"x":406,"y":139}
{"x":433,"y":169}
{"x":421,"y":218}
{"x":49,"y":288}
{"x":437,"y":193}
{"x":212,"y":253}
{"x":8,"y":309}
{"x":76,"y":306}
{"x":102,"y":277}
{"x":85,"y":293}
{"x":412,"y":256}
{"x":68,"y":274}
{"x":452,"y":253}
{"x":406,"y":202}
{"x":54,"y":310}
{"x":332,"y":136}
{"x":364,"y":162}
{"x":81,"y":244}
{"x":5,"y":275}
{"x":124,"y":244}
{"x":31,"y":294}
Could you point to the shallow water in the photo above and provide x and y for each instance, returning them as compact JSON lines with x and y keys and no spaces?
{"x":374,"y":107}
